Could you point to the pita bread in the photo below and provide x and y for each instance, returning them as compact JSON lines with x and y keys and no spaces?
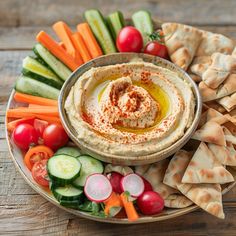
{"x":123,"y":170}
{"x":195,"y":78}
{"x":229,"y":137}
{"x":228,"y":102}
{"x":211,"y":132}
{"x":141,"y":170}
{"x":205,"y":168}
{"x":155,"y":175}
{"x":221,"y":67}
{"x":177,"y":201}
{"x":215,"y":105}
{"x":214,"y":115}
{"x":200,"y":65}
{"x":227,"y":88}
{"x":182,"y":42}
{"x":176,"y":168}
{"x":234,"y":52}
{"x":206,"y":196}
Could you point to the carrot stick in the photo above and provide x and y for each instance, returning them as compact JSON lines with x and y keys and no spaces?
{"x":38,"y":106}
{"x":26,"y":98}
{"x":49,"y":119}
{"x":25,"y":112}
{"x":64,"y":33}
{"x":62,"y":45}
{"x":129,"y":207}
{"x":57,"y":51}
{"x":81,"y":46}
{"x":89,"y":39}
{"x":113,"y":201}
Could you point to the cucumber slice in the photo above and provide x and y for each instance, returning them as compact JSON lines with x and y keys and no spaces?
{"x":89,"y":166}
{"x":61,"y":70}
{"x":63,"y":169}
{"x":71,"y":204}
{"x":67,"y":193}
{"x":100,"y":30}
{"x":115,"y":22}
{"x":35,"y":70}
{"x":71,"y":151}
{"x":143,"y":22}
{"x":33,"y":87}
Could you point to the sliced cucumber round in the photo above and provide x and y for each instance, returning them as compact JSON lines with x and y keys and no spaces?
{"x":67,"y":193}
{"x":71,"y":151}
{"x":63,"y":169}
{"x":89,"y":166}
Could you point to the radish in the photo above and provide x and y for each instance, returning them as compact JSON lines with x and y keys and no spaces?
{"x":115,"y":179}
{"x":147,"y":185}
{"x":97,"y":188}
{"x":133,"y":183}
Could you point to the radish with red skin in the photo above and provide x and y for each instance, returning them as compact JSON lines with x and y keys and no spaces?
{"x":147,"y":185}
{"x":150,"y":203}
{"x":115,"y":179}
{"x":97,"y":188}
{"x":133,"y":184}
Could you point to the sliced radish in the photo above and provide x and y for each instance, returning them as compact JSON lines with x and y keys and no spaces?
{"x":133,"y":183}
{"x":97,"y":188}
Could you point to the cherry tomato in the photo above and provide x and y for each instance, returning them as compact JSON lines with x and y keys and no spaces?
{"x":54,"y":136}
{"x":157,"y":49}
{"x":39,"y":173}
{"x":150,"y":203}
{"x":115,"y":179}
{"x":40,"y":126}
{"x":129,"y":40}
{"x":25,"y":135}
{"x":36,"y":154}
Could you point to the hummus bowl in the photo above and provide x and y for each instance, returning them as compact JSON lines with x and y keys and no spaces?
{"x":130,"y":109}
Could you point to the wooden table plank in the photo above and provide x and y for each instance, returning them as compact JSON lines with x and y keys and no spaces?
{"x":46,"y":12}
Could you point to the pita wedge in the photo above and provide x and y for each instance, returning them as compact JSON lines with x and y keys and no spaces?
{"x":182,"y":42}
{"x":205,"y":168}
{"x":220,"y":68}
{"x":176,"y":168}
{"x":211,"y":132}
{"x":215,"y":105}
{"x":123,"y":170}
{"x":234,"y":52}
{"x":228,"y":87}
{"x":194,"y":77}
{"x":155,"y":175}
{"x":200,"y":65}
{"x":206,"y":196}
{"x":215,"y":116}
{"x":228,"y":102}
{"x":177,"y":201}
{"x":229,"y":137}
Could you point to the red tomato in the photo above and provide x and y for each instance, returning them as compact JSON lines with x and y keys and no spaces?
{"x":39,"y":173}
{"x":157,"y":49}
{"x":54,"y":136}
{"x":36,"y":154}
{"x":40,"y":126}
{"x":25,"y":135}
{"x":115,"y":179}
{"x":150,"y":203}
{"x":129,"y":40}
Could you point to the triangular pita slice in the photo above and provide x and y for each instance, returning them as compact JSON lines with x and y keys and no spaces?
{"x":214,"y":115}
{"x":200,"y":65}
{"x":205,"y":168}
{"x":155,"y":175}
{"x":228,"y":87}
{"x":182,"y":42}
{"x":229,"y":137}
{"x":206,"y":196}
{"x":221,"y":66}
{"x":211,"y":132}
{"x":234,"y":52}
{"x":123,"y":170}
{"x":177,"y":201}
{"x":228,"y":102}
{"x":176,"y":168}
{"x":215,"y":105}
{"x":141,"y":170}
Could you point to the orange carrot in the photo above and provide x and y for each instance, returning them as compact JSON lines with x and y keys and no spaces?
{"x":62,"y":45}
{"x":89,"y":39}
{"x":129,"y":207}
{"x":12,"y":124}
{"x":38,"y":106}
{"x":81,"y":46}
{"x":64,"y":33}
{"x":26,"y":112}
{"x":57,"y":51}
{"x":113,"y":205}
{"x":49,"y":119}
{"x":26,"y":98}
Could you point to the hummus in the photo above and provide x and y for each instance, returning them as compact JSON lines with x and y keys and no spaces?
{"x":130,"y":109}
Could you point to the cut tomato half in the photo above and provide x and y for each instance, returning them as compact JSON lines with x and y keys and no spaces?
{"x":39,"y":173}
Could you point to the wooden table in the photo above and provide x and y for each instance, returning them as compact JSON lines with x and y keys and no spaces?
{"x":23,"y":211}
